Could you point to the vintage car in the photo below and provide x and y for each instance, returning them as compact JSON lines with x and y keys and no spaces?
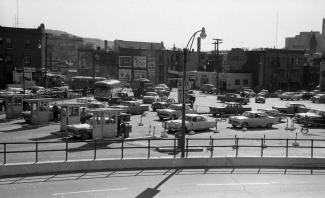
{"x":233,"y":97}
{"x":132,"y":107}
{"x":313,"y":117}
{"x":228,"y":108}
{"x":208,"y":88}
{"x":259,"y":99}
{"x":274,"y":113}
{"x":150,"y":97}
{"x":292,"y":108}
{"x":291,"y":96}
{"x":164,"y":86}
{"x":173,"y":112}
{"x":318,"y":98}
{"x":249,"y":93}
{"x":306,"y":95}
{"x":119,"y":97}
{"x":276,"y":93}
{"x":193,"y":122}
{"x":162,"y":91}
{"x":162,"y":103}
{"x":253,"y":119}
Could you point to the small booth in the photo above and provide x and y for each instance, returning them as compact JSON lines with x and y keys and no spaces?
{"x":70,"y":114}
{"x":107,"y":123}
{"x":14,"y":104}
{"x":41,"y":112}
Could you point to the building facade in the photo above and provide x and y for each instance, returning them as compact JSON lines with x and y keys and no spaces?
{"x":22,"y":49}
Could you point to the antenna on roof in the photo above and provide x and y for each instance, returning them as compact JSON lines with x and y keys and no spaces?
{"x":276,"y":30}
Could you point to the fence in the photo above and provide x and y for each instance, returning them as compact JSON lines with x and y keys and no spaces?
{"x":118,"y":149}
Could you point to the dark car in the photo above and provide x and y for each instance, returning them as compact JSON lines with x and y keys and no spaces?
{"x":260,"y":99}
{"x":307,"y":95}
{"x":162,"y":104}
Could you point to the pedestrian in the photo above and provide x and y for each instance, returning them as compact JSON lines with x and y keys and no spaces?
{"x":83,"y":116}
{"x":55,"y":110}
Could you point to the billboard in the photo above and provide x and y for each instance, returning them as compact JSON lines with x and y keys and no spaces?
{"x":140,"y":62}
{"x":125,"y":61}
{"x":140,"y":74}
{"x":152,"y":67}
{"x":124,"y":75}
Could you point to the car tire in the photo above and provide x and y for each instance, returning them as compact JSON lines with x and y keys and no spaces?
{"x":234,"y":126}
{"x":161,"y":118}
{"x":85,"y":136}
{"x":244,"y":125}
{"x":153,"y":109}
{"x":174,"y":117}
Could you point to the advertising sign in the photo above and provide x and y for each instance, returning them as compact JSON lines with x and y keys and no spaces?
{"x":140,"y":62}
{"x":125,"y":61}
{"x":152,"y":68}
{"x":140,"y":74}
{"x":187,"y":87}
{"x":124,"y":75}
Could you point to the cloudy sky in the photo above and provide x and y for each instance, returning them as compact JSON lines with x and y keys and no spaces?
{"x":240,"y":23}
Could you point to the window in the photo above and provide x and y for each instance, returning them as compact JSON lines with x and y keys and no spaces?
{"x":27,"y":61}
{"x":28,"y":44}
{"x":9,"y":42}
{"x":245,"y":82}
{"x":237,"y":82}
{"x":8,"y":60}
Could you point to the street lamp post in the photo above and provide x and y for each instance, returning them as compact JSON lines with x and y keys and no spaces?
{"x":203,"y":36}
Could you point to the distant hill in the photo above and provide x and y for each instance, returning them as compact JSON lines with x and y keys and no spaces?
{"x":93,"y":41}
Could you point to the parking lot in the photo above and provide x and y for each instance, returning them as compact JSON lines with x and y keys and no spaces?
{"x":18,"y":131}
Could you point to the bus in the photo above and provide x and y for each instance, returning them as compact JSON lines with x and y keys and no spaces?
{"x":104,"y":90}
{"x":83,"y":82}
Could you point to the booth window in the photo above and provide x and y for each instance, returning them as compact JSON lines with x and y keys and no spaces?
{"x":64,"y":111}
{"x":74,"y":111}
{"x":18,"y":100}
{"x":9,"y":100}
{"x":43,"y":106}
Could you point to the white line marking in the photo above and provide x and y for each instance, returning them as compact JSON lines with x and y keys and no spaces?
{"x":233,"y":184}
{"x":88,"y":191}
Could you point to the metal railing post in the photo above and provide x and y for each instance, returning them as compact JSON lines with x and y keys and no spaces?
{"x":262,"y":147}
{"x":312,"y":148}
{"x":4,"y":153}
{"x":66,"y":150}
{"x":287,"y":148}
{"x":36,"y":152}
{"x":95,"y":150}
{"x":212,"y":148}
{"x":186,"y":147}
{"x":236,"y":142}
{"x":148,"y":148}
{"x":122,"y":149}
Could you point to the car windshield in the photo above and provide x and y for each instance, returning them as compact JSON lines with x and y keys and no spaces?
{"x":151,"y":94}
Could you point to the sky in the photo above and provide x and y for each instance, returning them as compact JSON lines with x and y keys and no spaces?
{"x":240,"y":23}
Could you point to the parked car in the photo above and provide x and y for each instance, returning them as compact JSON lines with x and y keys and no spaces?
{"x":173,"y":112}
{"x":276,"y":93}
{"x":312,"y":118}
{"x":259,"y":99}
{"x":162,"y":104}
{"x":233,"y":97}
{"x":193,"y":122}
{"x":229,"y":108}
{"x":132,"y":107}
{"x":318,"y":98}
{"x":208,"y":88}
{"x":292,"y":108}
{"x":290,"y":96}
{"x":150,"y":97}
{"x":253,"y":119}
{"x":164,"y":86}
{"x":306,"y":95}
{"x":274,"y":113}
{"x":249,"y":93}
{"x":162,"y":91}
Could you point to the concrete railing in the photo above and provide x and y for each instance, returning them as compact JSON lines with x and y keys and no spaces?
{"x":10,"y":170}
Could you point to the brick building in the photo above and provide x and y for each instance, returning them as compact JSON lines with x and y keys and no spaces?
{"x":21,"y":48}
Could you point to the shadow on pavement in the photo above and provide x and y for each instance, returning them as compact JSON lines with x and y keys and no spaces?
{"x":23,"y":128}
{"x":53,"y":135}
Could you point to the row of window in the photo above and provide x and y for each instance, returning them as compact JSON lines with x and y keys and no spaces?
{"x":8,"y":43}
{"x":237,"y":81}
{"x":8,"y":60}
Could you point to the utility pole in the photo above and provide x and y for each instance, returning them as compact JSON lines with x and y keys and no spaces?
{"x":45,"y":72}
{"x":216,"y":52}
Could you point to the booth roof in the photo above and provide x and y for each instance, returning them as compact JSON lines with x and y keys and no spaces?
{"x":40,"y":99}
{"x":105,"y":110}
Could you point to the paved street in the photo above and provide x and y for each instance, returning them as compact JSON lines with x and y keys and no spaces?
{"x":17,"y":130}
{"x":244,"y":183}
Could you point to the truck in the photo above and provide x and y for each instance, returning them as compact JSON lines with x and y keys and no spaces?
{"x":174,"y":111}
{"x":141,"y":86}
{"x":229,"y":108}
{"x":292,"y":108}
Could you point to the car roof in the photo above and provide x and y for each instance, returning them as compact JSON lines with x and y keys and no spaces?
{"x":192,"y":115}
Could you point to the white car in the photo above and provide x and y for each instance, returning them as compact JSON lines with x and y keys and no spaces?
{"x":150,"y":97}
{"x":193,"y":122}
{"x":163,"y":86}
{"x":253,"y":119}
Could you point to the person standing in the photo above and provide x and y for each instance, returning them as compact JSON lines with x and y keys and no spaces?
{"x":83,"y":116}
{"x":55,"y":110}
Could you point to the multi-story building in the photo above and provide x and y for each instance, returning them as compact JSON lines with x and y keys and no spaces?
{"x":22,"y":49}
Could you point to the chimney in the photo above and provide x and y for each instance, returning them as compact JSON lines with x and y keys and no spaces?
{"x":105,"y":46}
{"x":198,"y":44}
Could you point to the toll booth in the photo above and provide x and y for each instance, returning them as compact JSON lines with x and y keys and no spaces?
{"x":14,"y":104}
{"x":70,"y":114}
{"x":41,"y":112}
{"x":105,"y":122}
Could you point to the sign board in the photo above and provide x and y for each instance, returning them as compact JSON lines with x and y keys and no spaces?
{"x":140,"y":62}
{"x":152,"y":68}
{"x":187,"y":87}
{"x":124,"y":75}
{"x":140,"y":74}
{"x":125,"y":61}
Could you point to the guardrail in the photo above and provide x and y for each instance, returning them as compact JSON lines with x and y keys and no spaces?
{"x":204,"y":146}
